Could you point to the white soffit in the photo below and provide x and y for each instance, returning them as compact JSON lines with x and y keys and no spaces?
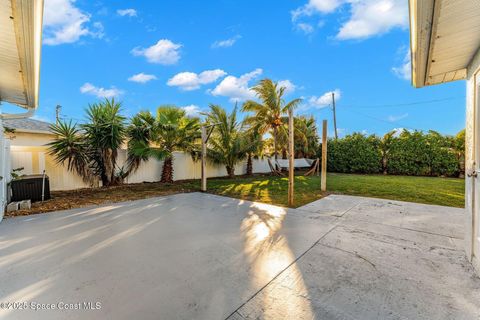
{"x":445,"y":35}
{"x":20,"y":47}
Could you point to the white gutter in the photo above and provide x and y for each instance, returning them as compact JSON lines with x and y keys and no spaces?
{"x":30,"y":112}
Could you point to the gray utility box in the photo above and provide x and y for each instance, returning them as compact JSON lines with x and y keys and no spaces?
{"x":30,"y":187}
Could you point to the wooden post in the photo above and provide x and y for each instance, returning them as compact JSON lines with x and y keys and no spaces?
{"x":324,"y":157}
{"x":204,"y":159}
{"x":291,"y":155}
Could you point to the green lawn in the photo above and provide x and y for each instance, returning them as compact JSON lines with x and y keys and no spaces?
{"x":441,"y":191}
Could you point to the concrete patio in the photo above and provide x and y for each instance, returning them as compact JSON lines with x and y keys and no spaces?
{"x":200,"y":256}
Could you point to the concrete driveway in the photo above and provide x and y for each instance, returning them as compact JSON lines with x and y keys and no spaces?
{"x":200,"y":256}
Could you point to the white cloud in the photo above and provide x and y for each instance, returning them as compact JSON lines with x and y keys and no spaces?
{"x":367,"y":18}
{"x":127,"y":12}
{"x":237,"y":89}
{"x":191,"y":81}
{"x":192,"y":110}
{"x":325,"y":99}
{"x":99,"y":92}
{"x":404,"y":71}
{"x":316,"y":6}
{"x":163,"y":52}
{"x":393,"y":118}
{"x":142,"y":77}
{"x":226,"y":43}
{"x":374,"y":17}
{"x":63,"y":22}
{"x":305,"y":27}
{"x":288,"y":85}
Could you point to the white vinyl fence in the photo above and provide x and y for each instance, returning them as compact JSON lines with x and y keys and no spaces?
{"x":35,"y":160}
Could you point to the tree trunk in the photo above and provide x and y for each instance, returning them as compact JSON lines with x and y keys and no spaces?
{"x":230,"y":171}
{"x":249,"y":165}
{"x":275,"y":143}
{"x":167,"y":171}
{"x":284,"y":154}
{"x":275,"y":147}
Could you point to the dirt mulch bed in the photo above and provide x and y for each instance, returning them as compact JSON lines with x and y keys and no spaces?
{"x":64,"y":200}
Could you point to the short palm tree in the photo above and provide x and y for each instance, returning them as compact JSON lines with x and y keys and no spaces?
{"x":306,"y":137}
{"x":268,"y":113}
{"x":171,"y":130}
{"x":256,"y":148}
{"x":91,"y":149}
{"x":228,"y":144}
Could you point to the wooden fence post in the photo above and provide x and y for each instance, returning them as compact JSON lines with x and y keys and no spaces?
{"x":323,"y":184}
{"x":291,"y":156}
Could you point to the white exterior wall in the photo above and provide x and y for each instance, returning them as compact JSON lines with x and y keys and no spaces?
{"x":3,"y":171}
{"x":472,"y":154}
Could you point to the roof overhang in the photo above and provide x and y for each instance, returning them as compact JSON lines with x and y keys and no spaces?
{"x":444,"y":37}
{"x":20,"y":47}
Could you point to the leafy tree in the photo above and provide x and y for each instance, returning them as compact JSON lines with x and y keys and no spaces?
{"x":228,"y":144}
{"x":267,"y":114}
{"x":91,"y":149}
{"x":158,"y":137}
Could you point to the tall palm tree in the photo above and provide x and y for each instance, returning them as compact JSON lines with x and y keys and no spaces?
{"x":268,"y":113}
{"x":171,"y":130}
{"x":91,"y":149}
{"x":228,"y":144}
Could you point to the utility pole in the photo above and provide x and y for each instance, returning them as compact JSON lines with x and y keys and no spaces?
{"x":334,"y":115}
{"x":58,"y":108}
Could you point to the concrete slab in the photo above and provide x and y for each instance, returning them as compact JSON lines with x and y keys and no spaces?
{"x":383,"y":260}
{"x":200,"y":256}
{"x":188,"y":256}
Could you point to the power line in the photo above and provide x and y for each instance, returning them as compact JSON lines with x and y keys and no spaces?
{"x":397,"y":124}
{"x":404,"y":104}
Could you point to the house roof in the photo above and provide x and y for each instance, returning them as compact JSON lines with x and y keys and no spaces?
{"x":20,"y":46}
{"x":28,"y":125}
{"x":445,"y":35}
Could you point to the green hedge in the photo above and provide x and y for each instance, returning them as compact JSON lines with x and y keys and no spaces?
{"x":405,"y":153}
{"x":355,"y":153}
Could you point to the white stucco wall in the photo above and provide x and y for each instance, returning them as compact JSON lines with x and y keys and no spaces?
{"x":472,"y":152}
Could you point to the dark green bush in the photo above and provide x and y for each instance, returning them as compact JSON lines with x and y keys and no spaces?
{"x":355,"y":153}
{"x":405,"y":153}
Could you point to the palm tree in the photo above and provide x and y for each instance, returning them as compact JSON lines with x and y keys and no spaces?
{"x":91,"y":149}
{"x":256,"y":149}
{"x":306,"y":136}
{"x":267,"y":114}
{"x":171,"y":130}
{"x":385,"y":144}
{"x":228,"y":145}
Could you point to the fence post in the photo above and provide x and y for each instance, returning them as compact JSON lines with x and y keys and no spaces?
{"x":323,"y":184}
{"x":204,"y":159}
{"x":291,"y":156}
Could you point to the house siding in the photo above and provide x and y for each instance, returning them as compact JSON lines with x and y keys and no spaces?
{"x":472,"y":215}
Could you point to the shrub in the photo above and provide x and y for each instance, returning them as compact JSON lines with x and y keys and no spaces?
{"x":405,"y":153}
{"x":355,"y":153}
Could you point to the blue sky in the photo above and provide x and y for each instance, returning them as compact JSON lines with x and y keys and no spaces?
{"x":192,"y":53}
